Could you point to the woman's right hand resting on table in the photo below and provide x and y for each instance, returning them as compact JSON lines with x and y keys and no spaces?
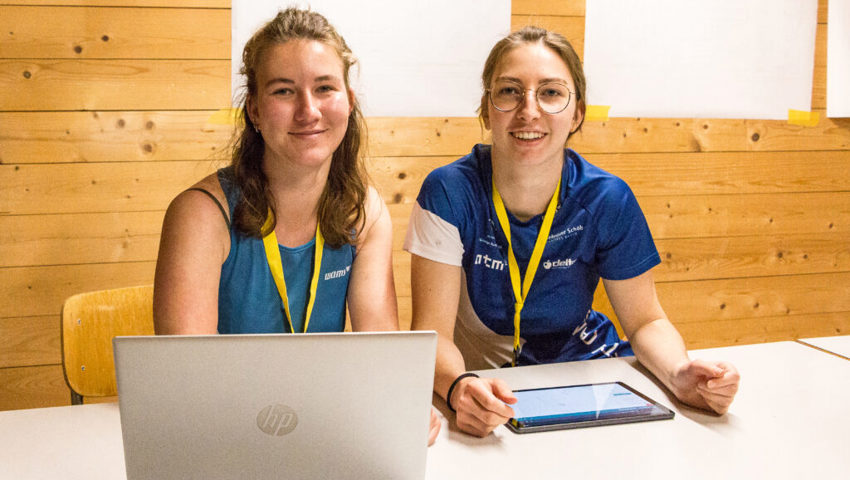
{"x":481,"y":404}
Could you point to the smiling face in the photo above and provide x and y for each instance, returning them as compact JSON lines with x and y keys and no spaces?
{"x":527,"y":135}
{"x":302,"y":103}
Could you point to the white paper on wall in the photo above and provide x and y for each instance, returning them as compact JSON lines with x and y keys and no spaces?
{"x":838,"y":59}
{"x":700,"y":59}
{"x":416,"y":58}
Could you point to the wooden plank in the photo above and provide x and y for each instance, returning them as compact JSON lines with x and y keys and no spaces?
{"x":657,"y":174}
{"x":114,"y":84}
{"x":819,"y":74}
{"x":734,"y":298}
{"x":723,"y":333}
{"x":398,"y":179}
{"x":85,"y":187}
{"x":416,"y":136}
{"x":36,"y":291}
{"x":570,"y":27}
{"x":634,"y":135}
{"x":95,"y":32}
{"x":740,"y":215}
{"x":736,"y":257}
{"x":53,"y":137}
{"x":33,"y":387}
{"x":405,"y":312}
{"x":30,"y":341}
{"x":64,"y":239}
{"x":548,"y":7}
{"x":132,"y":3}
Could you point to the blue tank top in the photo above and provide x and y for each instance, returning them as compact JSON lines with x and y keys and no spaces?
{"x":248,"y":300}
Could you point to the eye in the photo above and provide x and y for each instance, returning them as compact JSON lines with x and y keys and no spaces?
{"x":508,"y":90}
{"x":551,"y":92}
{"x":327,"y":88}
{"x":283,"y":91}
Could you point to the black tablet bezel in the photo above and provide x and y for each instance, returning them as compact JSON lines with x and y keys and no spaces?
{"x":659,"y":412}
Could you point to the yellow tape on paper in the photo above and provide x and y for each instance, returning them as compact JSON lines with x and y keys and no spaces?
{"x":596,"y":113}
{"x":226,"y":116}
{"x":800,"y":117}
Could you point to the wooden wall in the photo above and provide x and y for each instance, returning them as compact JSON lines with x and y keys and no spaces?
{"x":107,"y":110}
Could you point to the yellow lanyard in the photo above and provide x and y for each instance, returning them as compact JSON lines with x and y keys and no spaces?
{"x":276,"y":267}
{"x":536,"y":255}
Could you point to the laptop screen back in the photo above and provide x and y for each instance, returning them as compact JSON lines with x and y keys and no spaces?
{"x":338,"y":405}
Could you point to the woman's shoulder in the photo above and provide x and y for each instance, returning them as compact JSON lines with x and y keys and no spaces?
{"x":585,"y":177}
{"x":463,"y":174}
{"x":464,"y":169}
{"x":376,"y":216}
{"x":203,"y":202}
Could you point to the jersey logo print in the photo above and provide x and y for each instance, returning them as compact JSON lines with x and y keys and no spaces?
{"x":565,"y":263}
{"x":337,"y":273}
{"x":490,"y":263}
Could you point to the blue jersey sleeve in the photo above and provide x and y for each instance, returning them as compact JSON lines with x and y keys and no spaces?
{"x":625,"y":248}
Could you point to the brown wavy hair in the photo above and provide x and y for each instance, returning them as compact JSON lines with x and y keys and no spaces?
{"x":531,"y":34}
{"x":341,"y":205}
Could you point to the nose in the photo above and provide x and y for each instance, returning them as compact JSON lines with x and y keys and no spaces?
{"x":307,"y":108}
{"x":528,"y":108}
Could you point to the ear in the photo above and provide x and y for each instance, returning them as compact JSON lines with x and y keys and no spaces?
{"x":253,"y":111}
{"x":350,"y":101}
{"x":578,"y":116}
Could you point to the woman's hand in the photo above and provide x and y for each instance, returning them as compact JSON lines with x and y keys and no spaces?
{"x":481,"y":404}
{"x":706,"y":384}
{"x":434,"y":428}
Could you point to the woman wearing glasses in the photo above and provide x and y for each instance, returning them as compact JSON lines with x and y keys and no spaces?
{"x":509,"y":243}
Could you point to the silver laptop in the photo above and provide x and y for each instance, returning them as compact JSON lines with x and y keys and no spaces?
{"x":337,"y":405}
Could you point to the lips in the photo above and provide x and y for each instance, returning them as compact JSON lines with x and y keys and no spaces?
{"x":307,"y":133}
{"x":528,"y":135}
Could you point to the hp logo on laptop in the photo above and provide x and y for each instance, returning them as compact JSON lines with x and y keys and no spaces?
{"x":277,"y":420}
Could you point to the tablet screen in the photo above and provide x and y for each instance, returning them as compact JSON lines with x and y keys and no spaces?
{"x":582,"y":406}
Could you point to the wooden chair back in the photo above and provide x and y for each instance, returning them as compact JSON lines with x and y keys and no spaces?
{"x":89,"y":322}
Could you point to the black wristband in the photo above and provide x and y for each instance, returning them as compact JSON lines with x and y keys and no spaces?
{"x":454,"y":384}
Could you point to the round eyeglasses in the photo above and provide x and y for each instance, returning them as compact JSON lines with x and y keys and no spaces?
{"x":552,"y":97}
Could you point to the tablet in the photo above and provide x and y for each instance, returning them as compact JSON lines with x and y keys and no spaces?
{"x":577,"y":406}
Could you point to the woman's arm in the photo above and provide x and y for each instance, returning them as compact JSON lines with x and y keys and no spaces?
{"x":479,"y":402}
{"x":659,"y":347}
{"x":194,"y":244}
{"x":371,"y":290}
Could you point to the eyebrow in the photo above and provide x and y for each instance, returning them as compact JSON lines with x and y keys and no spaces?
{"x":288,"y":81}
{"x":542,"y":80}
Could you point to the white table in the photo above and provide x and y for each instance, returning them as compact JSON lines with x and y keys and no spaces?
{"x":788,"y":422}
{"x":839,"y":345}
{"x":80,"y":442}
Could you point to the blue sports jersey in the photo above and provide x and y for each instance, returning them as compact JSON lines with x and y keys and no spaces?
{"x":248,"y":300}
{"x":598,"y":231}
